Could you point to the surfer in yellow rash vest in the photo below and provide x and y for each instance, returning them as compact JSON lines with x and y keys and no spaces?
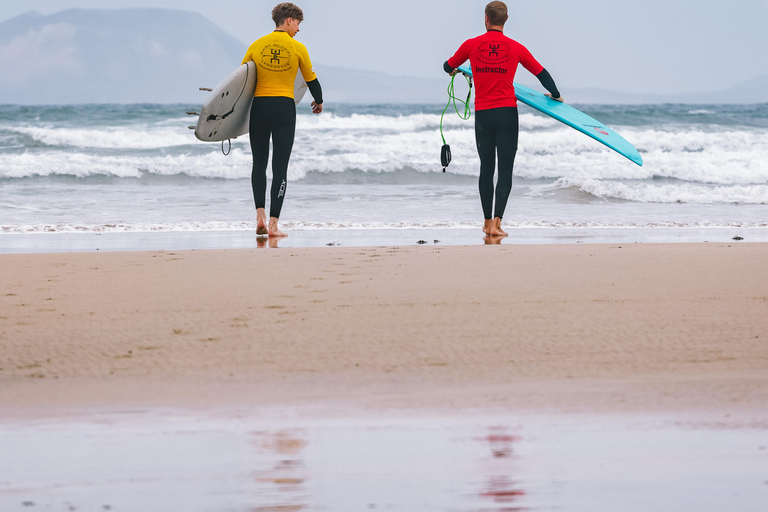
{"x":278,"y":58}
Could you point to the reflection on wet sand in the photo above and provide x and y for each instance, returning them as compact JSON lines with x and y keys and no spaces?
{"x":158,"y":463}
{"x":281,"y":488}
{"x":500,"y":488}
{"x":263,"y":242}
{"x":493,"y":240}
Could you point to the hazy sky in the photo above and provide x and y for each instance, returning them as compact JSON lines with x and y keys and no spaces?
{"x":644,"y":46}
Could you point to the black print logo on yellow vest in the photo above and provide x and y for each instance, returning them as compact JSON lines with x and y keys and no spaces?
{"x":276,"y":57}
{"x":493,"y":52}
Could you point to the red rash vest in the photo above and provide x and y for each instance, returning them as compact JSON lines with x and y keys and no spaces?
{"x":494,"y":58}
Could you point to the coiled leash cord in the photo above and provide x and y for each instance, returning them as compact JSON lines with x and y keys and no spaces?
{"x":445,"y":152}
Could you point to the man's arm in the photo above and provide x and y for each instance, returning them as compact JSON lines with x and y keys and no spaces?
{"x":549,"y":84}
{"x":316,"y":91}
{"x":317,"y":94}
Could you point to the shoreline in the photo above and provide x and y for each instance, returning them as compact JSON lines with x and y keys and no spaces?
{"x":31,"y":243}
{"x":587,"y":328}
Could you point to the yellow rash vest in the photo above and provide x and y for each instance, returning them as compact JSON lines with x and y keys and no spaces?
{"x":278,"y":58}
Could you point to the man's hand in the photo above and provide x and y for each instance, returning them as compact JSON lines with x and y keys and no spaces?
{"x":316,"y":109}
{"x":559,"y":98}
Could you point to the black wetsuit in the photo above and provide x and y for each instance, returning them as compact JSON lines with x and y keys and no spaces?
{"x":496,"y":132}
{"x":275,"y":117}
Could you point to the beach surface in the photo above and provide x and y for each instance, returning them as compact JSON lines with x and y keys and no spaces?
{"x":582,"y":328}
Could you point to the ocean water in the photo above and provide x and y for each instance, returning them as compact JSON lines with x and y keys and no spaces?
{"x":105,"y":169}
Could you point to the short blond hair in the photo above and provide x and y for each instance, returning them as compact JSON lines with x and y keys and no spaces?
{"x":286,"y":10}
{"x":497,"y":13}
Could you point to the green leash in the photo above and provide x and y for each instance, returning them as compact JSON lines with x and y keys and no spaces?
{"x":445,"y":152}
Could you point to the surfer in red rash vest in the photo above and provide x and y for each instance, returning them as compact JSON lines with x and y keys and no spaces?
{"x":494,"y":58}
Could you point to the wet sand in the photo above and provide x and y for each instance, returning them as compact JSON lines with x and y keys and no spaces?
{"x":264,"y":463}
{"x":596,"y":328}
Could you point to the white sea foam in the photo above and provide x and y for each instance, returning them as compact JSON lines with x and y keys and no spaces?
{"x":83,"y":165}
{"x":669,"y":193}
{"x":725,"y":157}
{"x":735,"y":160}
{"x":116,"y":138}
{"x":406,"y":123}
{"x":173,"y":134}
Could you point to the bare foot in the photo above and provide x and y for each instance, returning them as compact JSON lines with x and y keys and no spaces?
{"x":487,"y":225}
{"x":261,"y":222}
{"x":274,"y":232}
{"x":496,"y":228}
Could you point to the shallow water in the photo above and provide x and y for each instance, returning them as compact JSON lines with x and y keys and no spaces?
{"x":137,"y":168}
{"x":282,"y":461}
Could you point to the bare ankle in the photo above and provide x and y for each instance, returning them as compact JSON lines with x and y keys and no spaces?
{"x":274,"y":231}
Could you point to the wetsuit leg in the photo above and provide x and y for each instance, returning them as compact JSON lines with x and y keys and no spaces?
{"x":259,"y":135}
{"x":506,"y":147}
{"x":485,"y":138}
{"x":496,"y":132}
{"x":273,"y":117}
{"x":283,"y":133}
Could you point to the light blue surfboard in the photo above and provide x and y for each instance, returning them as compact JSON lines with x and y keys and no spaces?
{"x":575,"y":119}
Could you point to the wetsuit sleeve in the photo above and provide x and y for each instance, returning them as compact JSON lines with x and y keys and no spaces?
{"x":447,"y":67}
{"x":305,"y":65}
{"x":548,"y":83}
{"x":316,"y":91}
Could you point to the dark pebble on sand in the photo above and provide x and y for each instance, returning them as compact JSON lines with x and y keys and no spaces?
{"x":737,"y":238}
{"x":421,"y":242}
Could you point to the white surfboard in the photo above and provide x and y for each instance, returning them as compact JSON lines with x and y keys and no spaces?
{"x":226,"y":113}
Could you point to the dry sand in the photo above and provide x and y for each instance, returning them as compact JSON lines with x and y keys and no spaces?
{"x":567,"y":328}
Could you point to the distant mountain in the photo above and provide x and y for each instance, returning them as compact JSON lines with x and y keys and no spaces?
{"x":163,"y":56}
{"x":104,"y":56}
{"x":153,"y":56}
{"x":752,"y":91}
